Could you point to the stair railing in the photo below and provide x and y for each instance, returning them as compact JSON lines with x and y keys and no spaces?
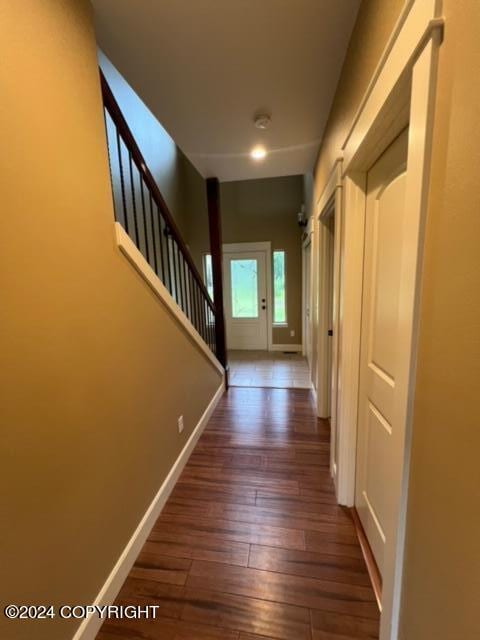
{"x":141,"y":210}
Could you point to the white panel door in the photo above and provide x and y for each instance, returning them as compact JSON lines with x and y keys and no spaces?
{"x":376,"y":454}
{"x":245,"y":287}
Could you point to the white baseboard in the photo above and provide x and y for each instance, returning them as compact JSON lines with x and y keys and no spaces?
{"x":333,"y":473}
{"x":90,"y":626}
{"x":286,"y":347}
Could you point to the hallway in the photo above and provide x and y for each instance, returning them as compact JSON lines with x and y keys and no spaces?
{"x":251,"y":544}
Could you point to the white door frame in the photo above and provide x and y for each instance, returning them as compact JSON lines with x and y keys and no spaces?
{"x":265,"y":247}
{"x":307,"y":240}
{"x":401,"y":93}
{"x":329,"y":204}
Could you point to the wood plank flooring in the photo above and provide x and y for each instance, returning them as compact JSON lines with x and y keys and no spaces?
{"x":251,"y":544}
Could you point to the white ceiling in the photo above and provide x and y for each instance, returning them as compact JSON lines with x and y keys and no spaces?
{"x":205,"y":67}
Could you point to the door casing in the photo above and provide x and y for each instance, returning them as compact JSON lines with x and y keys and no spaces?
{"x":329,"y":274}
{"x":401,"y":93}
{"x":265,"y":247}
{"x":309,"y":299}
{"x":307,"y":296}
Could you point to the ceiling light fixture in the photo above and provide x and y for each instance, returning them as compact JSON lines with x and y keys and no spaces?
{"x":258,"y":153}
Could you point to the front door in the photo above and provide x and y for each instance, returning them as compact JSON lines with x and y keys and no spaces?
{"x":245,"y":286}
{"x":377,"y":452}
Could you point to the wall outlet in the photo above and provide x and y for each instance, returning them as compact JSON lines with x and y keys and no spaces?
{"x":180,"y":424}
{"x":292,"y":333}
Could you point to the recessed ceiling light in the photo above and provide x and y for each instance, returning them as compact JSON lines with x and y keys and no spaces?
{"x":258,"y":153}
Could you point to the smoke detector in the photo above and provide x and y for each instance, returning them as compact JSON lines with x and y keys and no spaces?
{"x":262,"y":121}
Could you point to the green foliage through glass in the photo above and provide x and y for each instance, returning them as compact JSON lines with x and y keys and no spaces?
{"x":208,"y":273}
{"x":244,"y":288}
{"x":279,"y":285}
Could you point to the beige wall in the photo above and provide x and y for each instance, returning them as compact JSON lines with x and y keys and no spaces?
{"x":442,"y":565}
{"x":442,"y":573}
{"x":94,"y":371}
{"x":375,"y":21}
{"x":266,"y":210}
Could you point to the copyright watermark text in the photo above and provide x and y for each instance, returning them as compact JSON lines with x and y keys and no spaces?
{"x":79,"y":612}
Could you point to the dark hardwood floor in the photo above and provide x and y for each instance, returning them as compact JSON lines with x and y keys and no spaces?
{"x":251,"y":544}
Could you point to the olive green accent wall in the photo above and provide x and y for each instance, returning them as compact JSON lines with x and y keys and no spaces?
{"x":161,"y":154}
{"x":266,"y":210}
{"x":195,"y":213}
{"x":95,"y":372}
{"x":182,"y":187}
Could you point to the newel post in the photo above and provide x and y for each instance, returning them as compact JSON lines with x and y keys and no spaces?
{"x":215,"y":229}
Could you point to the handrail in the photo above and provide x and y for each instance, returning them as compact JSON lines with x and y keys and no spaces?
{"x":141,"y":209}
{"x":117,"y":116}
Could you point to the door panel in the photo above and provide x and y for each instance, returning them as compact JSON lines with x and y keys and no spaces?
{"x":385,"y":246}
{"x":245,"y":300}
{"x":376,"y":453}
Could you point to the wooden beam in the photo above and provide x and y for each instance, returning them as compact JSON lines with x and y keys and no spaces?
{"x":215,"y":228}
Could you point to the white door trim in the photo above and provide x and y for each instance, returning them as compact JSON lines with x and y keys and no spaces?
{"x":329,"y":203}
{"x":401,"y":93}
{"x":306,"y":241}
{"x":266,"y":247}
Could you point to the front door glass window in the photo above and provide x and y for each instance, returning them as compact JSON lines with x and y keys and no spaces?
{"x":244,"y":288}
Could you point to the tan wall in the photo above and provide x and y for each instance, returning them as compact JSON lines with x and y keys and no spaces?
{"x":442,"y":566}
{"x":375,"y":21}
{"x":94,"y":371}
{"x":442,"y":573}
{"x":266,"y":210}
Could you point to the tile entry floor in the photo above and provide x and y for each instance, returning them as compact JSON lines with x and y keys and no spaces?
{"x":268,"y":369}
